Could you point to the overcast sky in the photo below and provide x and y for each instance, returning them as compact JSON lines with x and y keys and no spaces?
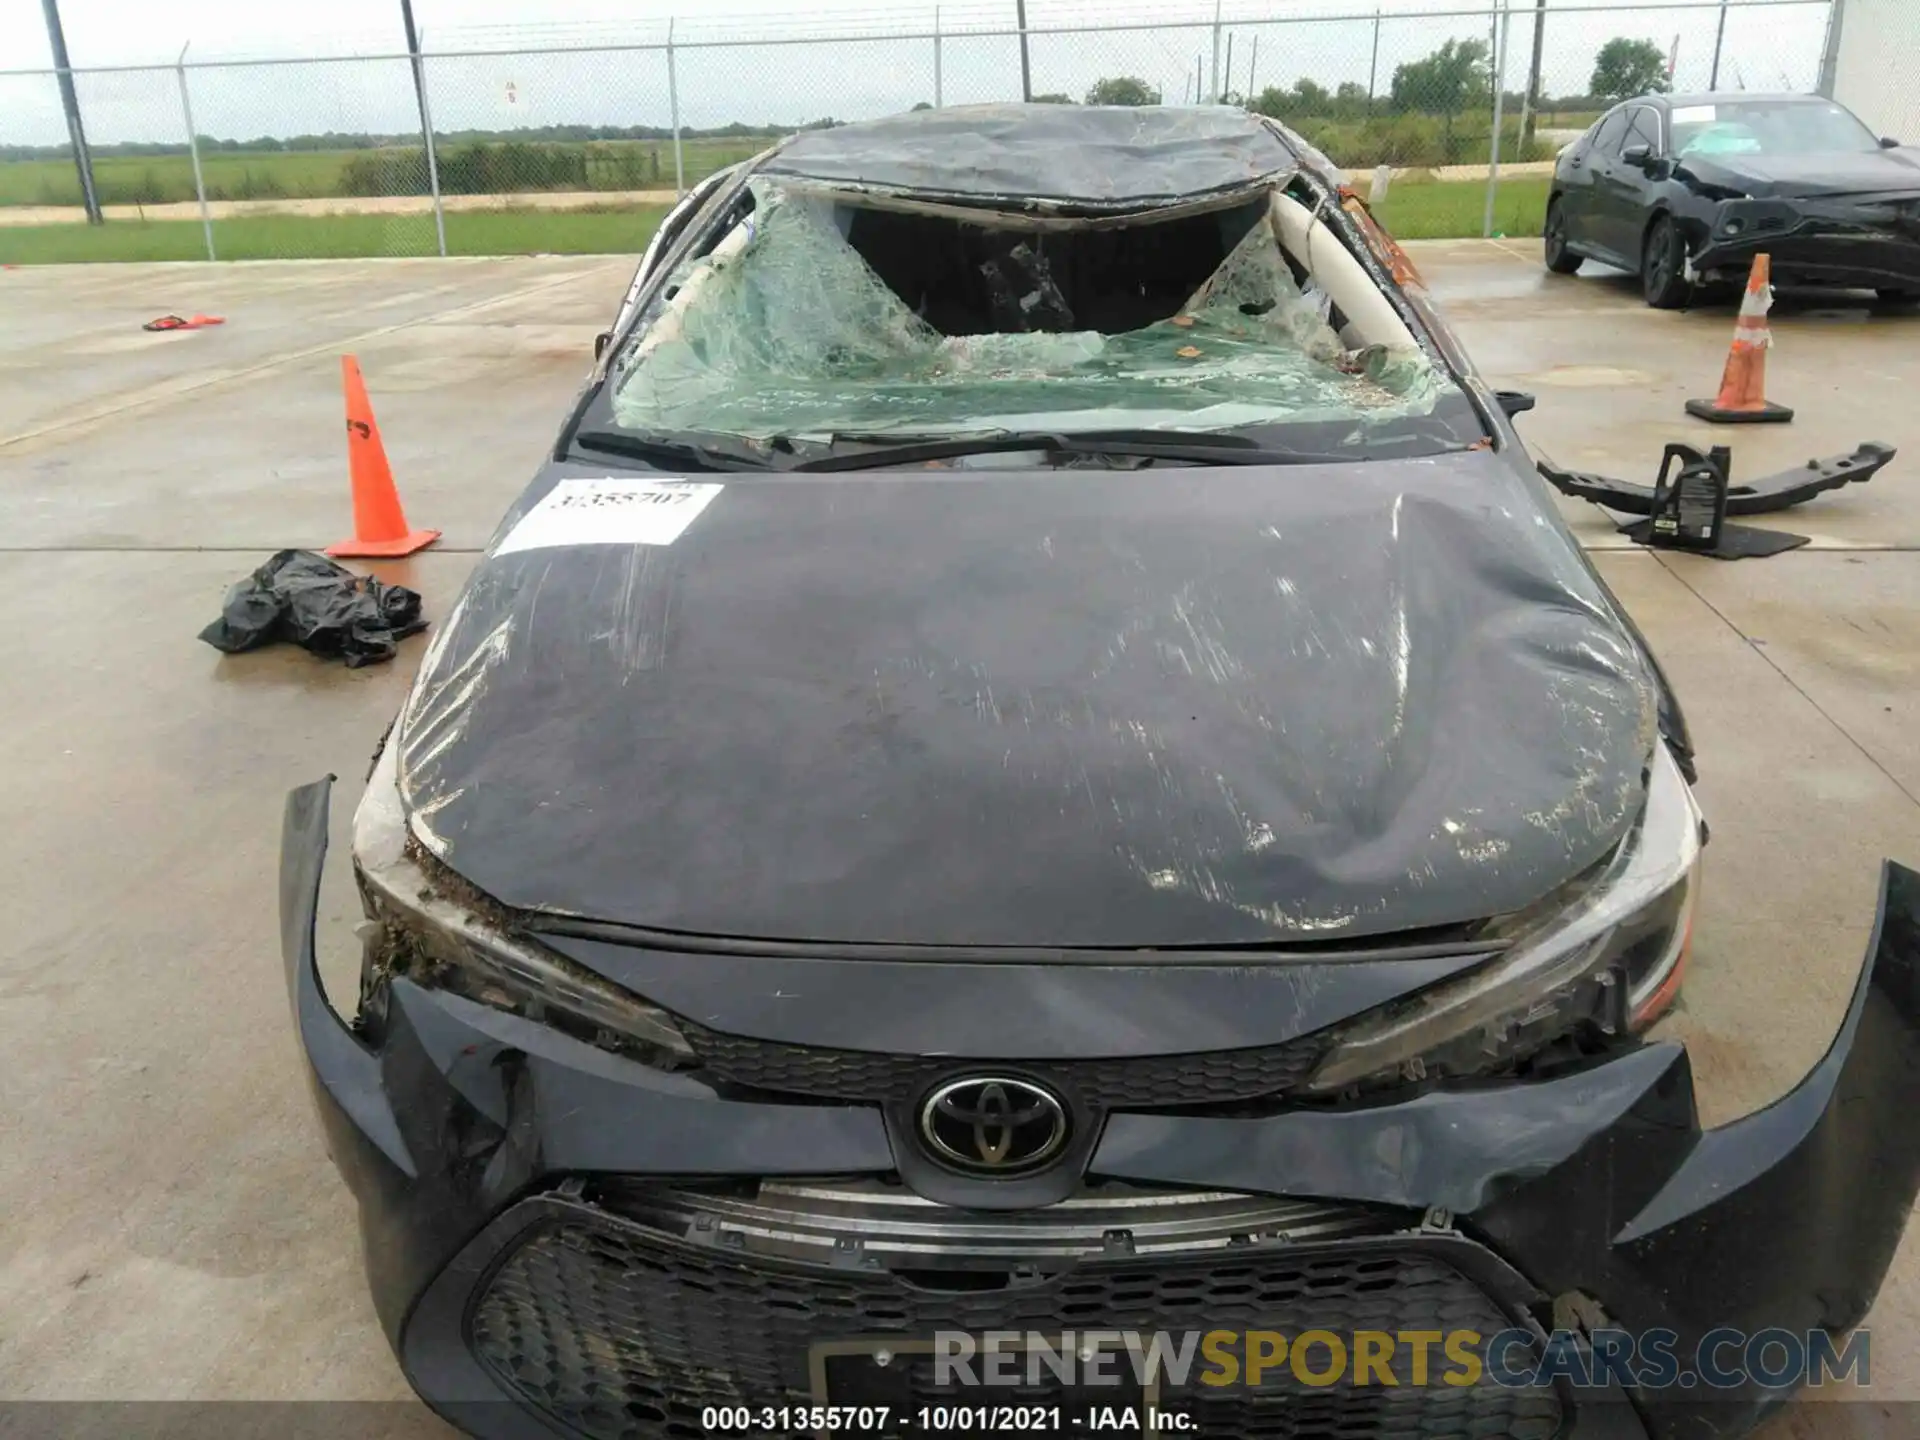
{"x":1767,"y":47}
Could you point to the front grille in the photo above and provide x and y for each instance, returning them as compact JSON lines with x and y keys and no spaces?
{"x":883,"y":1221}
{"x":623,"y":1332}
{"x":1214,"y":1077}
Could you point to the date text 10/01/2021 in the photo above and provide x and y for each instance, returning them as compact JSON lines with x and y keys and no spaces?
{"x":1037,"y":1420}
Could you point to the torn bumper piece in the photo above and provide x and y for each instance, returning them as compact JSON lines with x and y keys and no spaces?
{"x":1601,"y":1183}
{"x":1752,"y":497}
{"x":1814,"y":242}
{"x":468,"y":1133}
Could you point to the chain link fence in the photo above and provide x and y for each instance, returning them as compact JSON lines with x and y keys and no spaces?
{"x":1450,"y":116}
{"x":1872,"y":64}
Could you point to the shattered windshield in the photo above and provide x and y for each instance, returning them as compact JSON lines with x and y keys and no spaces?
{"x":786,"y":329}
{"x":1768,"y":127}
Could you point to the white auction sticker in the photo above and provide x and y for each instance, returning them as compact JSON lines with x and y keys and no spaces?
{"x":1693,"y":114}
{"x":610,"y":512}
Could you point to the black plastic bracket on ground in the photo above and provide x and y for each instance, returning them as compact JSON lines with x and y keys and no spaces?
{"x":1690,"y":510}
{"x":1690,"y":498}
{"x":1734,"y":542}
{"x":1755,"y":497}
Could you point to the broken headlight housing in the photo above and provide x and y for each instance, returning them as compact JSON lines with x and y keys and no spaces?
{"x":447,"y":941}
{"x":1604,"y":955}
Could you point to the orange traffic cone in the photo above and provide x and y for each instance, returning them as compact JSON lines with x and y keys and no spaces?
{"x":1743,"y":385}
{"x":379,"y":524}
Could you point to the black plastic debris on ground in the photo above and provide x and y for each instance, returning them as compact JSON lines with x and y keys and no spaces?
{"x":1748,"y":497}
{"x":1734,"y":542}
{"x":307,"y":600}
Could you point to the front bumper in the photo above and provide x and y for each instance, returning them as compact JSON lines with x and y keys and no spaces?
{"x":496,"y":1163}
{"x":1812,"y":243}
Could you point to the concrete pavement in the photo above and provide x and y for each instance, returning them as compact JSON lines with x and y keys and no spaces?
{"x":174,"y":1229}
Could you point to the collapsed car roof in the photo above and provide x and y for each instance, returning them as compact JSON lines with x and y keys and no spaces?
{"x":1083,"y":157}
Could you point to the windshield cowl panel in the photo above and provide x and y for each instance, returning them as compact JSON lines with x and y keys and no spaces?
{"x":820,"y":313}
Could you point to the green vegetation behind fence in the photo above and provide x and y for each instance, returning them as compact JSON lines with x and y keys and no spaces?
{"x":613,"y":231}
{"x":515,"y":167}
{"x":1429,"y":112}
{"x":473,"y":168}
{"x":1413,"y":210}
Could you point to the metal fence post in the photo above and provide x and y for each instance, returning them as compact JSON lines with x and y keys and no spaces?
{"x":1830,"y":50}
{"x":673,"y":104}
{"x":1026,"y":63}
{"x":193,"y":147}
{"x":433,"y":163}
{"x":70,"y":103}
{"x":1373,"y":66}
{"x":1719,"y":34}
{"x":1530,"y":107}
{"x":937,"y":99}
{"x":1502,"y":24}
{"x":1214,"y":97}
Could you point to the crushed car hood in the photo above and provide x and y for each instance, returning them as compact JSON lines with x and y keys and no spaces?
{"x":1881,"y":173}
{"x":1078,"y":707}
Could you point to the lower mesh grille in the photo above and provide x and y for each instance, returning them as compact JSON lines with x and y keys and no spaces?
{"x":622,"y":1333}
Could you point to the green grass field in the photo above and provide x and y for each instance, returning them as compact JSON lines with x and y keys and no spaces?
{"x":122,"y":179}
{"x":301,"y":174}
{"x":1413,"y":210}
{"x":1449,"y":209}
{"x":336,"y":237}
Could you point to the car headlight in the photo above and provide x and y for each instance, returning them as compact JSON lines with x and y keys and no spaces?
{"x":427,"y":930}
{"x":1605,"y":952}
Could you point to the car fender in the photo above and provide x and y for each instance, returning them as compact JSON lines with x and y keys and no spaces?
{"x":1662,"y":209}
{"x":1690,"y":210}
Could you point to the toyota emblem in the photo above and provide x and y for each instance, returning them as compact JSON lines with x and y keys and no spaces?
{"x":993,"y":1125}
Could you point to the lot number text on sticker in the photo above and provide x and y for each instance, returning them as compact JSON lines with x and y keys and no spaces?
{"x":610,"y":512}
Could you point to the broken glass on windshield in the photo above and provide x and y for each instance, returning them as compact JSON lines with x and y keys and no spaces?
{"x":819,"y":316}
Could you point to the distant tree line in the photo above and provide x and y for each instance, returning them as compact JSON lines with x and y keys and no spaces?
{"x":1454,"y":80}
{"x":364,"y":140}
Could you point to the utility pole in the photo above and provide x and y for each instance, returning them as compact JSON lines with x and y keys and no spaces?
{"x":1026,"y":69}
{"x":1830,"y":52}
{"x":1530,"y":103}
{"x":1229,"y":65}
{"x":1373,"y":66}
{"x":70,"y":102}
{"x":1213,"y":95}
{"x":413,"y":59}
{"x":1719,"y":34}
{"x":1250,"y":66}
{"x":426,"y":122}
{"x":1502,"y":27}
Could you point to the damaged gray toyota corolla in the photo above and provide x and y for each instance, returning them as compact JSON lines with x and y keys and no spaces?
{"x":1038,"y":773}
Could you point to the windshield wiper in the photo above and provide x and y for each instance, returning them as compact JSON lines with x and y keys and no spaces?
{"x":1204,"y":447}
{"x":680,"y":454}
